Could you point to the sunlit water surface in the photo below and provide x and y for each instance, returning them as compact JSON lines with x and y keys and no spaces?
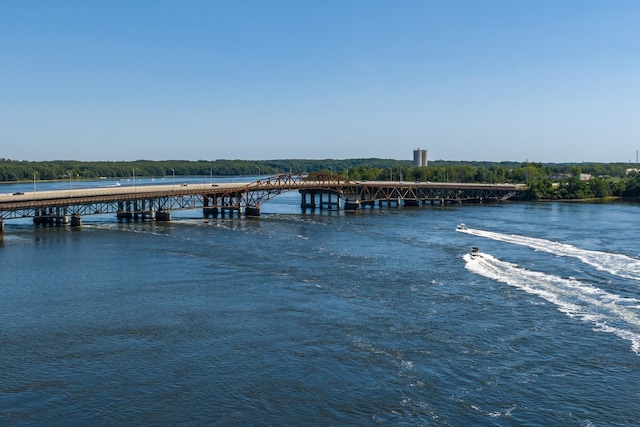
{"x":332,"y":318}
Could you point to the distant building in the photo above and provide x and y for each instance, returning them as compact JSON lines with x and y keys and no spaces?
{"x":420,"y":157}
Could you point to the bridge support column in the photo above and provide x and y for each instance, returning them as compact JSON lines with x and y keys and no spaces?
{"x":163,"y":216}
{"x":1,"y":226}
{"x":329,"y":203}
{"x":136,"y":210}
{"x":230,"y":211}
{"x":352,"y":206}
{"x":210,"y":211}
{"x":308,"y":200}
{"x":124,"y":215}
{"x":41,"y":217}
{"x":252,"y":211}
{"x":76,"y":220}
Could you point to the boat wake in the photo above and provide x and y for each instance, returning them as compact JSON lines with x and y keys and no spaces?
{"x":616,"y":264}
{"x":608,"y":312}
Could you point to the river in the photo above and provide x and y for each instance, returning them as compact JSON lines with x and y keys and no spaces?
{"x":376,"y":317}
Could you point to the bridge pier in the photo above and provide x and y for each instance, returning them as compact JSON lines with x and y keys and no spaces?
{"x":52,"y":216}
{"x":311,"y":203}
{"x":352,"y":206}
{"x":148,"y":211}
{"x":314,"y":198}
{"x":143,"y":215}
{"x":124,"y":211}
{"x":329,"y":203}
{"x":76,"y":220}
{"x":163,"y":216}
{"x":127,"y":216}
{"x":209,"y":206}
{"x":1,"y":225}
{"x":230,"y":211}
{"x":137,"y":212}
{"x":210,"y":211}
{"x":390,"y":202}
{"x":252,"y":211}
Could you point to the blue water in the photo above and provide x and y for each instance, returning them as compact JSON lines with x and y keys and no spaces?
{"x":372,"y":318}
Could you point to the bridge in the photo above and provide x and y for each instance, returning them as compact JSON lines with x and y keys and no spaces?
{"x":156,"y":202}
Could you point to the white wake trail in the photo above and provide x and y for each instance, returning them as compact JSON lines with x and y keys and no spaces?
{"x":608,"y":312}
{"x":616,"y":264}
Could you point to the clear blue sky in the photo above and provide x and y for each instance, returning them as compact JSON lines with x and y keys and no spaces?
{"x":538,"y":80}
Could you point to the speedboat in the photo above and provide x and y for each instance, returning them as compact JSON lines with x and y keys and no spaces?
{"x":461,"y":226}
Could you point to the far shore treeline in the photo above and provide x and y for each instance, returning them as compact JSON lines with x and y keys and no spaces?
{"x":543,"y":180}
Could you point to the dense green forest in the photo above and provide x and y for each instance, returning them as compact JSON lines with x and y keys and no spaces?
{"x":11,"y":170}
{"x":544,"y":181}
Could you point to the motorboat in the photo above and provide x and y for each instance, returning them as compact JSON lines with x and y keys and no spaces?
{"x":461,"y":226}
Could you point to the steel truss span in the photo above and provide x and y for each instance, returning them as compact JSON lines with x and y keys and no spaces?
{"x":243,"y":197}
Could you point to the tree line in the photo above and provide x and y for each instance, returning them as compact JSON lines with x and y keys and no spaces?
{"x":12,"y":170}
{"x":554,"y":181}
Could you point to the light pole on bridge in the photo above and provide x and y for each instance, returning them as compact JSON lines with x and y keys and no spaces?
{"x":174,"y":177}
